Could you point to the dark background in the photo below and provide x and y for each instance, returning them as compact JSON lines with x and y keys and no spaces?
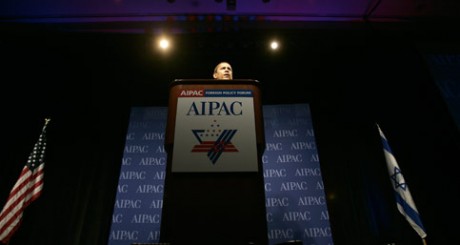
{"x":351,"y":75}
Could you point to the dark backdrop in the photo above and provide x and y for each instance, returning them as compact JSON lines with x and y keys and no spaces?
{"x":352,"y":78}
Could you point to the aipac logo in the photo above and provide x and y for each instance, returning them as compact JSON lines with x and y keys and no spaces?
{"x":214,"y":141}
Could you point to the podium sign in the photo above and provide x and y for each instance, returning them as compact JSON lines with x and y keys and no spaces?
{"x":215,"y":131}
{"x":214,"y":186}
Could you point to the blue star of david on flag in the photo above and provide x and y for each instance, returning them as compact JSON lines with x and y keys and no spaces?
{"x":398,"y":179}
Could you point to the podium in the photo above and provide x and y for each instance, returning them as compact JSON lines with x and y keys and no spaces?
{"x":214,"y":186}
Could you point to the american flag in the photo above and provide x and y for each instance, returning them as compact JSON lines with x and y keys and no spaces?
{"x":27,"y":189}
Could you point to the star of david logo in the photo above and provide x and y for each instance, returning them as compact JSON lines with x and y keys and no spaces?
{"x":214,"y":141}
{"x":398,"y":179}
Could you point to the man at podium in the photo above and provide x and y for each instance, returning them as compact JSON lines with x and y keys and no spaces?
{"x":223,"y":71}
{"x":214,"y":187}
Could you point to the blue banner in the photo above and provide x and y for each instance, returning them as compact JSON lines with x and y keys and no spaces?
{"x":137,"y":209}
{"x":294,"y":190}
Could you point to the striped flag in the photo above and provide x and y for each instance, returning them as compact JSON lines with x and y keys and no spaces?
{"x":404,"y":201}
{"x":28,"y":188}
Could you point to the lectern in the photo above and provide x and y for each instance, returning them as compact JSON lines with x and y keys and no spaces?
{"x":214,"y":186}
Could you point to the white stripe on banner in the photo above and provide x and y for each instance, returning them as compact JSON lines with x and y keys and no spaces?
{"x":404,"y":201}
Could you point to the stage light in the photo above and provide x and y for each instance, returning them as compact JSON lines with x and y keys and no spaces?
{"x":274,"y":45}
{"x":164,"y":44}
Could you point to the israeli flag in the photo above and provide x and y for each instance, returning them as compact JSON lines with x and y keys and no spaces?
{"x":404,"y":201}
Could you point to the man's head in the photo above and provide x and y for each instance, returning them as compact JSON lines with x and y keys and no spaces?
{"x":223,"y":71}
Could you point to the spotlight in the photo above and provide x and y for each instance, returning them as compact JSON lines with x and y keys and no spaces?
{"x":274,"y":45}
{"x":163,"y":44}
